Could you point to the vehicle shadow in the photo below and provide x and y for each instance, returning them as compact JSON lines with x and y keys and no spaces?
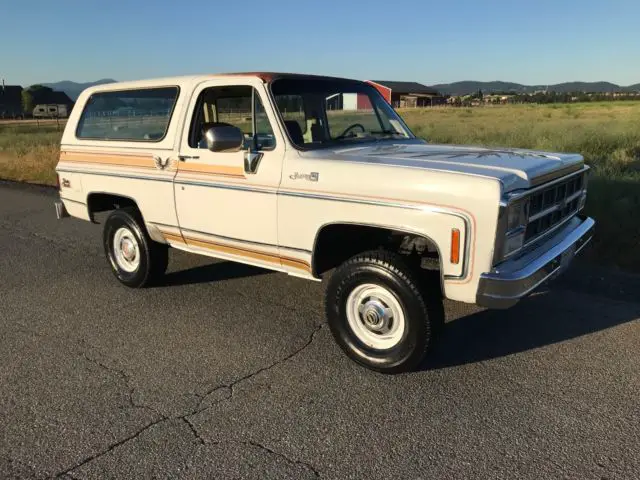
{"x":544,"y":319}
{"x":211,"y":272}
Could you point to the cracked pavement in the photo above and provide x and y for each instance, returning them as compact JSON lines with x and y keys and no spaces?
{"x":228,"y":371}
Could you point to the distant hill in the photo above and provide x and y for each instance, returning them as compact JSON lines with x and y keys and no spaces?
{"x":588,"y":87}
{"x":73,"y":89}
{"x":634,"y":88}
{"x":468,"y":87}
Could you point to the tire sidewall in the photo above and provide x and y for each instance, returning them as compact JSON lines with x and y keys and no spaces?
{"x":410,"y":349}
{"x":117,"y":220}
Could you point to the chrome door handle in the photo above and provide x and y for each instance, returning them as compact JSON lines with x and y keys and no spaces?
{"x":182,"y":158}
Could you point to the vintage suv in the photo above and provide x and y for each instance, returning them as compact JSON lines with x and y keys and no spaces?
{"x":308,"y":174}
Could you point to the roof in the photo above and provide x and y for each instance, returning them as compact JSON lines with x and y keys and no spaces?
{"x":11,"y":95}
{"x":406,"y":87}
{"x":60,"y":98}
{"x":10,"y":89}
{"x":51,"y":97}
{"x":190,"y":79}
{"x":271,"y":76}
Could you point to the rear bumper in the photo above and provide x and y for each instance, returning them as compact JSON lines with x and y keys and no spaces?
{"x":513,"y":280}
{"x":61,"y":210}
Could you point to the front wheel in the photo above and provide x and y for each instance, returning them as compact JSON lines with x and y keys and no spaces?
{"x":135,"y":259}
{"x":378,"y":314}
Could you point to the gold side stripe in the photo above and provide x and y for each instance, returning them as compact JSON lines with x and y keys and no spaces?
{"x":239,"y":251}
{"x":141,"y":161}
{"x":146,"y":161}
{"x":172,"y":237}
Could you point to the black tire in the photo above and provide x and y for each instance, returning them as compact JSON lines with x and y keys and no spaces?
{"x":153,"y":256}
{"x":422,"y":312}
{"x":431,"y":289}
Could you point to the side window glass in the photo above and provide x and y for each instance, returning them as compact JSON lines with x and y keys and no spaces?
{"x":232,"y":105}
{"x":264,"y":138}
{"x":141,"y":115}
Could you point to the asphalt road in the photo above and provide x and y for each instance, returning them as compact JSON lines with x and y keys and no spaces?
{"x":228,"y":371}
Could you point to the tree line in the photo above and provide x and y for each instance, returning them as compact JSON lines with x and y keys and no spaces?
{"x":540,"y":97}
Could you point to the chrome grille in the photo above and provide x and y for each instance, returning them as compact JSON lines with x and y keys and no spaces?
{"x":549,"y":207}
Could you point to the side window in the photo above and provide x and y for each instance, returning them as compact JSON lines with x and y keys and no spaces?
{"x":232,"y":105}
{"x":265,"y":140}
{"x":137,"y":115}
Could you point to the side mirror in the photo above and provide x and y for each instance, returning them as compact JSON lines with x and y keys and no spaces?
{"x":224,"y":138}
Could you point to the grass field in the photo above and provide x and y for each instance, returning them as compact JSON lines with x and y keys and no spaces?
{"x":607,"y":134}
{"x":29,"y":152}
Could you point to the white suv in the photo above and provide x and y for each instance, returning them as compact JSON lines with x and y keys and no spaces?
{"x":306,"y":175}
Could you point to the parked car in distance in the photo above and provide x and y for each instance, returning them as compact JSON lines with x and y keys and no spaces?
{"x":319,"y":177}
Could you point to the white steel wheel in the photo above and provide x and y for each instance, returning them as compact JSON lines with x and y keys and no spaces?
{"x":375,"y":316}
{"x":126,"y":251}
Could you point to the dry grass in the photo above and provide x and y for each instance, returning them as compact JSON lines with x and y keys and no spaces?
{"x":29,"y":152}
{"x":607,"y":134}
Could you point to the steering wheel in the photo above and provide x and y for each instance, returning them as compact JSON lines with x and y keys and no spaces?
{"x":349,"y":128}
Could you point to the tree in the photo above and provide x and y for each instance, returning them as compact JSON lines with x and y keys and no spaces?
{"x":34,"y":95}
{"x":28,"y":103}
{"x":40,"y":93}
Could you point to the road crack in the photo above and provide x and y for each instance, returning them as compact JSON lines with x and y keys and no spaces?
{"x":193,"y":429}
{"x":110,"y":448}
{"x":227,"y":390}
{"x":306,"y":465}
{"x":122,"y":374}
{"x":230,"y":387}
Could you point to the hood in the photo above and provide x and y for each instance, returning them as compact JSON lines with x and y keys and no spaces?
{"x":515,"y":168}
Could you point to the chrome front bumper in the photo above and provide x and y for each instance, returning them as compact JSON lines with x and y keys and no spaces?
{"x":509,"y":282}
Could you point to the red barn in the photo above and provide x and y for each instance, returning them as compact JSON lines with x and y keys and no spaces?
{"x":408,"y":94}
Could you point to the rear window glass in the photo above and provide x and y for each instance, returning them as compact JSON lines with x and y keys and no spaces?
{"x":137,"y":115}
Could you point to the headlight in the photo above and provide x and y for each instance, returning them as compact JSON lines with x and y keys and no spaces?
{"x":515,"y":228}
{"x":517,"y":214}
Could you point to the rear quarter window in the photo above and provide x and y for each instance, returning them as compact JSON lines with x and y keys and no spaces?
{"x":141,"y":115}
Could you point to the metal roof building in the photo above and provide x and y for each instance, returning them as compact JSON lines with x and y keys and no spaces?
{"x":10,"y":100}
{"x":408,"y":94}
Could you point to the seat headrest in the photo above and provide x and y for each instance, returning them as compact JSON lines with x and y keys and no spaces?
{"x":207,"y":125}
{"x":295,"y":131}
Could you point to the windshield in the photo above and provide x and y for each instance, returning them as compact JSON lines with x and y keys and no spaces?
{"x":320,"y":113}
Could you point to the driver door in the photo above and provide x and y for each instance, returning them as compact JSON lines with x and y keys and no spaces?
{"x":226,"y":209}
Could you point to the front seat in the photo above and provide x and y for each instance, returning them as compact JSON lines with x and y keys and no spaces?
{"x":295,"y":131}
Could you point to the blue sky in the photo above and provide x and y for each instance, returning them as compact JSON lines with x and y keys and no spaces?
{"x":533,"y":42}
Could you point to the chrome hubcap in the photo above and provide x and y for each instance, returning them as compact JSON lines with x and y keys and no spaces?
{"x":126,"y":250}
{"x":375,"y":316}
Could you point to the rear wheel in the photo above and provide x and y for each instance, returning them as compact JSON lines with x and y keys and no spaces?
{"x":135,"y":259}
{"x":378,"y":314}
